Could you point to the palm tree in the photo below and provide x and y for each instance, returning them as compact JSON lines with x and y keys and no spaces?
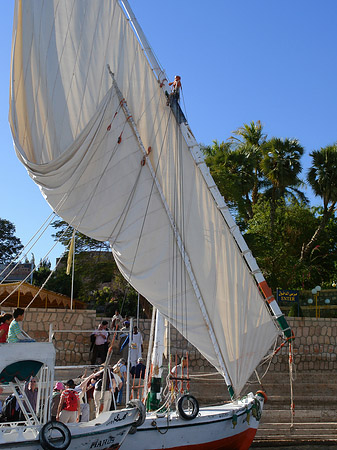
{"x":322,"y":177}
{"x":281,"y":166}
{"x":233,"y":173}
{"x":250,"y":141}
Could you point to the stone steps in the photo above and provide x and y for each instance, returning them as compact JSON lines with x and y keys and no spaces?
{"x":307,"y":429}
{"x":301,"y":416}
{"x":306,"y":433}
{"x":315,"y":411}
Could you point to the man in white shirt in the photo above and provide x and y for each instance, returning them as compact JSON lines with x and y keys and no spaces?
{"x":136,"y":346}
{"x":116,"y":322}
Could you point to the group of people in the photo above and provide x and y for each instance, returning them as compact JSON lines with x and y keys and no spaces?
{"x":10,"y":330}
{"x":91,"y":397}
{"x":100,"y":339}
{"x":68,"y":403}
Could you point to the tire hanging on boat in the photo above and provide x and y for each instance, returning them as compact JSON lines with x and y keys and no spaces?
{"x":50,"y":443}
{"x":191,"y":402}
{"x":136,"y":403}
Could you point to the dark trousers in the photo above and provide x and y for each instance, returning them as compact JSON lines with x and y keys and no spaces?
{"x":99,"y":351}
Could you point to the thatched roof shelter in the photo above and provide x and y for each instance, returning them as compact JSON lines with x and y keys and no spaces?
{"x":17,"y":295}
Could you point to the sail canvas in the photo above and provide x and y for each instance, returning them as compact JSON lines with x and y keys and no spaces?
{"x":73,"y":135}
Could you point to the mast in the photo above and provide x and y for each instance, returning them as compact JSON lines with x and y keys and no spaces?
{"x":198,"y":157}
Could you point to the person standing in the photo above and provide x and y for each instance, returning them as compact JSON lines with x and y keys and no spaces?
{"x":107,"y":395}
{"x":136,"y":346}
{"x":5,"y":321}
{"x":100,"y":348}
{"x":120,"y":370}
{"x":55,"y":401}
{"x":116,"y":386}
{"x":138,"y":375}
{"x":31,"y":393}
{"x":116,"y":322}
{"x":138,"y":371}
{"x":90,"y":398}
{"x":69,"y":408}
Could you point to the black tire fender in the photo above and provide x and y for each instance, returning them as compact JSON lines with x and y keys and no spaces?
{"x":136,"y":403}
{"x":62,"y":443}
{"x":192,"y":402}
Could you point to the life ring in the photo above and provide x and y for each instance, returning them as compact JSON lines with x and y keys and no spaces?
{"x":136,"y":403}
{"x":190,"y":402}
{"x":49,"y":442}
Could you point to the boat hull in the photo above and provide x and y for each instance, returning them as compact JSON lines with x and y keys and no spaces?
{"x":107,"y":432}
{"x":225,"y":427}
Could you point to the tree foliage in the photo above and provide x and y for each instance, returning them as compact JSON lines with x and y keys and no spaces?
{"x":322,"y":177}
{"x":10,"y":245}
{"x":278,"y":254}
{"x":83,"y":243}
{"x":97,"y":280}
{"x":259,"y":178}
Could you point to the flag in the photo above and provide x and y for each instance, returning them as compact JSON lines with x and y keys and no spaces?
{"x":71,"y":252}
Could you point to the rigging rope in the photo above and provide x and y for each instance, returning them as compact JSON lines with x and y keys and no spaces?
{"x":291,"y":378}
{"x":24,"y":249}
{"x":30,"y":273}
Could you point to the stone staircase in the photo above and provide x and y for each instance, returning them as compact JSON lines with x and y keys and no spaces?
{"x":315,"y":416}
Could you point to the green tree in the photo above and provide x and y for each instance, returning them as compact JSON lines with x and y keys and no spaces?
{"x":250,"y":140}
{"x":322,"y":177}
{"x":233,"y":173}
{"x":278,"y":255}
{"x":64,"y":234}
{"x":10,"y":245}
{"x":281,"y":166}
{"x":97,"y":279}
{"x":41,"y":274}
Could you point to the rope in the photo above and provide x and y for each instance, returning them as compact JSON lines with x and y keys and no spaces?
{"x":50,"y":218}
{"x":30,"y":273}
{"x":291,"y":378}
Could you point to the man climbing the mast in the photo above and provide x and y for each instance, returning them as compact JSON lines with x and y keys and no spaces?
{"x":173,"y":99}
{"x":176,"y":85}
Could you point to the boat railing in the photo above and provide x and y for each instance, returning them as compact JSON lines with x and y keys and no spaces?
{"x":18,"y":431}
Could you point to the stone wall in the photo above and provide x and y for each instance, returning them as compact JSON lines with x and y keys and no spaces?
{"x":314,"y":347}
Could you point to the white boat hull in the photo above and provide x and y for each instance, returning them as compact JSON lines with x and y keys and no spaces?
{"x":215,"y":428}
{"x":108,"y":431}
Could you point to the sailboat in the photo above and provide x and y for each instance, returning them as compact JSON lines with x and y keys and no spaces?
{"x":94,"y":123}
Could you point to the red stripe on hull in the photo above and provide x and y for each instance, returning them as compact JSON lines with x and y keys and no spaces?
{"x":241,"y":441}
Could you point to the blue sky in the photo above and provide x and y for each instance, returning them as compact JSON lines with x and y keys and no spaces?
{"x":239,"y":61}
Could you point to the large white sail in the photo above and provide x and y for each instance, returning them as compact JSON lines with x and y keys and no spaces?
{"x":72,"y":133}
